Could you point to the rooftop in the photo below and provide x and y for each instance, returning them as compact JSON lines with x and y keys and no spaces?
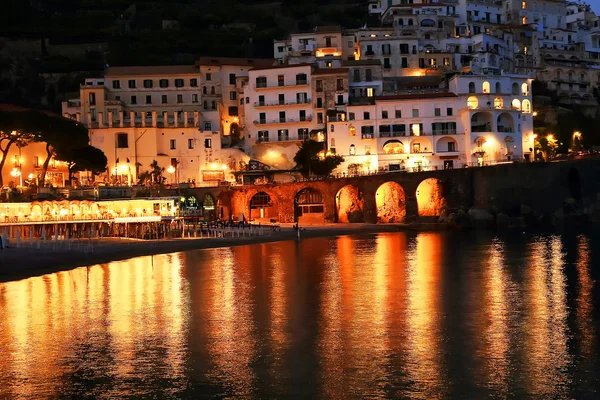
{"x":415,"y":96}
{"x":152,"y":70}
{"x":248,"y":62}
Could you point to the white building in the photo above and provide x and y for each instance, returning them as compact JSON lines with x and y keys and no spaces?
{"x":479,"y":120}
{"x":278,"y":113}
{"x":175,"y":115}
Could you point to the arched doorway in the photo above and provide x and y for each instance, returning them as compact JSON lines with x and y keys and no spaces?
{"x":262,"y":207}
{"x":391,"y":203}
{"x":430,"y":198}
{"x":309,"y":207}
{"x":574,"y":182}
{"x":349,"y":204}
{"x":224,"y":206}
{"x":208,"y":208}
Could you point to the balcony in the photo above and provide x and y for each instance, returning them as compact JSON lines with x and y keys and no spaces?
{"x":265,"y":86}
{"x":367,"y":135}
{"x":281,"y":104}
{"x":392,"y":134}
{"x":308,"y":118}
{"x":439,"y":132}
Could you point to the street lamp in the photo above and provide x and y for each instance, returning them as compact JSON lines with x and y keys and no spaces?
{"x":171,"y":170}
{"x":16,"y":173}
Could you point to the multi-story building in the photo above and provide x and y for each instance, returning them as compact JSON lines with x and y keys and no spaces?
{"x":278,"y":113}
{"x":479,"y":120}
{"x":174,"y":115}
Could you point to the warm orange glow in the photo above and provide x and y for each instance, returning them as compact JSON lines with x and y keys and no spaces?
{"x":423,"y":313}
{"x":390,"y":202}
{"x":430,"y":200}
{"x":350,"y":203}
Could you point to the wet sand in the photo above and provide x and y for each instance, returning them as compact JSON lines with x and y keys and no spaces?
{"x":21,"y":263}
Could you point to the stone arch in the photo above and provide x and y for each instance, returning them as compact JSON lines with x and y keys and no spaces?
{"x":430,"y":198}
{"x":263,"y":207}
{"x":393,"y":147}
{"x":574,"y":183}
{"x":390,"y":201}
{"x":349,"y":203}
{"x":223,"y":206}
{"x":446,"y":144}
{"x":209,"y":209}
{"x":526,"y":106}
{"x":428,"y":22}
{"x":309,"y":207}
{"x":505,"y":122}
{"x":482,"y":122}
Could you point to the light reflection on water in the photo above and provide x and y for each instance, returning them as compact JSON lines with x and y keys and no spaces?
{"x":393,"y":315}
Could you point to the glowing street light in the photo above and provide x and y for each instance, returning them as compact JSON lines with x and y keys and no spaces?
{"x":16,"y":173}
{"x":577,"y":134}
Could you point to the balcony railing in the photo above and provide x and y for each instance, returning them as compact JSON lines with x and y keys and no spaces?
{"x":278,"y":85}
{"x":367,"y":135}
{"x":392,"y":134}
{"x":281,"y":103}
{"x":437,"y":132}
{"x":308,"y":118}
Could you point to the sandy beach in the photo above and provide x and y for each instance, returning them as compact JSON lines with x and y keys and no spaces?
{"x":20,"y":263}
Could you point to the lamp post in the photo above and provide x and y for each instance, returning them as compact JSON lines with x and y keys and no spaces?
{"x":17,"y":173}
{"x":171,"y":170}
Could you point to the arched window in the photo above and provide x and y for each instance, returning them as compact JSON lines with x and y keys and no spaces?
{"x":205,"y":105}
{"x":428,"y":22}
{"x":352,"y":130}
{"x":498,"y":102}
{"x":525,"y":89}
{"x":472,"y":103}
{"x":204,"y":90}
{"x":332,"y":128}
{"x":410,"y":21}
{"x":212,"y":90}
{"x":393,"y":147}
{"x":247,"y":100}
{"x":498,"y":88}
{"x":214,"y":105}
{"x":471,"y":87}
{"x":515,"y":88}
{"x":352,"y":150}
{"x":558,"y":74}
{"x":400,"y":21}
{"x":485,"y":87}
{"x":332,"y":142}
{"x":516,"y":104}
{"x":526,"y":106}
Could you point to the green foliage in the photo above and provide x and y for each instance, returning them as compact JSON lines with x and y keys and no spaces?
{"x":309,"y":159}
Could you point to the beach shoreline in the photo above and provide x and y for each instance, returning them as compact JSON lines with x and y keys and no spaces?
{"x":22,"y":263}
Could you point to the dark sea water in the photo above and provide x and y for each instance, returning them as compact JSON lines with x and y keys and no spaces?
{"x":430,"y":315}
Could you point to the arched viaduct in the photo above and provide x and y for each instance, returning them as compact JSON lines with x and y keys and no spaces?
{"x":401,"y":196}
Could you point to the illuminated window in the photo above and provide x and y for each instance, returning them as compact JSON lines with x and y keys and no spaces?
{"x":523,"y":5}
{"x":525,"y":89}
{"x":472,"y":103}
{"x":369,"y":92}
{"x":352,"y":130}
{"x":526,"y":106}
{"x":498,"y":102}
{"x":524,"y":20}
{"x":485,"y":87}
{"x":516,"y":104}
{"x":352,"y":150}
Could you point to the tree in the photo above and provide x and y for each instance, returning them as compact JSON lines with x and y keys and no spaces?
{"x":87,"y":158}
{"x":156,"y":172}
{"x":17,"y":127}
{"x":63,"y":137}
{"x":310,"y":159}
